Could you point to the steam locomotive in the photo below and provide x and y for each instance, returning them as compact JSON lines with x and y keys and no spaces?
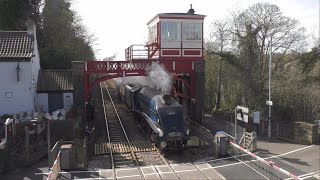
{"x":159,"y":114}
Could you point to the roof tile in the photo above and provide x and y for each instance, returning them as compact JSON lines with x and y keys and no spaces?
{"x":55,"y":80}
{"x":15,"y":44}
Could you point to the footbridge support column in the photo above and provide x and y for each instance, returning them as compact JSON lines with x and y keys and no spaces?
{"x":198,"y":83}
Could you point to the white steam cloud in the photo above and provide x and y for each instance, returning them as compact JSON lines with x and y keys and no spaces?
{"x":157,"y":77}
{"x":160,"y":77}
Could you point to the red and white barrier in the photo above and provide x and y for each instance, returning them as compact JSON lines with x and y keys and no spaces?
{"x":55,"y":169}
{"x":269,"y":163}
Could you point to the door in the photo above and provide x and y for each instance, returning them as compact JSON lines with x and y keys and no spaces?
{"x":55,"y":101}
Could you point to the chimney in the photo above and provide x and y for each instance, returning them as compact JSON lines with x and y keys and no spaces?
{"x":31,"y":28}
{"x":191,"y":11}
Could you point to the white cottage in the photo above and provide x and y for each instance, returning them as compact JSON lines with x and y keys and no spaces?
{"x":19,"y":68}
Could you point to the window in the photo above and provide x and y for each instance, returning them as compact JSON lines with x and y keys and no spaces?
{"x":192,"y":31}
{"x":170,"y":31}
{"x":152,"y":33}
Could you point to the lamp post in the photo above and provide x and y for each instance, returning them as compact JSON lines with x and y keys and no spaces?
{"x":269,"y":102}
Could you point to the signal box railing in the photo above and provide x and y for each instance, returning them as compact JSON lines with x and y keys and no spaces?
{"x":135,"y":52}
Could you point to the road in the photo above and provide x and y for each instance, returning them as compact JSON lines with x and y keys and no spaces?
{"x":300,"y":160}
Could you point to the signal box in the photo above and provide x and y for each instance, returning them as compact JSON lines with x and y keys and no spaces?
{"x":172,"y":36}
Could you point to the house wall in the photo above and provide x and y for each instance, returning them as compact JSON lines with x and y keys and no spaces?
{"x":15,"y":96}
{"x":35,"y":60}
{"x":42,"y":101}
{"x":67,"y":100}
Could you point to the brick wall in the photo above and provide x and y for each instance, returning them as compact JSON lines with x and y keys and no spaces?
{"x":77,"y":73}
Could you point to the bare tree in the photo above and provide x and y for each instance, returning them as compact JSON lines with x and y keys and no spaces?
{"x":248,"y":50}
{"x":220,"y":37}
{"x":285,"y":32}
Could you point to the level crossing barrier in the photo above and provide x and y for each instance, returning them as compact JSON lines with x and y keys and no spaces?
{"x":269,"y":166}
{"x":55,"y":169}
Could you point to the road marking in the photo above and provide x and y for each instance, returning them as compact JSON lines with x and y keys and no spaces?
{"x":223,"y":158}
{"x":289,"y":152}
{"x":203,"y":172}
{"x":138,"y":175}
{"x":212,"y":167}
{"x":251,"y":168}
{"x":232,"y":164}
{"x":69,"y":172}
{"x":308,"y":175}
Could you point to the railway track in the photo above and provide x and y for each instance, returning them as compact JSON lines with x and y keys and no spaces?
{"x":125,"y":150}
{"x":118,"y":144}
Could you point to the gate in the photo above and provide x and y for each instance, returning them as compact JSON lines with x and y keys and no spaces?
{"x":249,"y":140}
{"x":285,"y":131}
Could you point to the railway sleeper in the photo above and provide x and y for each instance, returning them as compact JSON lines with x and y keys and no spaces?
{"x":123,"y":147}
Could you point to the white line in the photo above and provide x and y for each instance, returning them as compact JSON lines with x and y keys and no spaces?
{"x":126,"y":169}
{"x":289,"y":152}
{"x":71,"y":172}
{"x":129,"y":176}
{"x":203,"y":172}
{"x":188,"y":170}
{"x":63,"y":172}
{"x":226,"y":165}
{"x":226,"y":158}
{"x":251,"y":168}
{"x":304,"y":176}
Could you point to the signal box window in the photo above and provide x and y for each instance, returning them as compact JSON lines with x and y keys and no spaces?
{"x":170,"y":31}
{"x":152,"y":34}
{"x":192,"y":31}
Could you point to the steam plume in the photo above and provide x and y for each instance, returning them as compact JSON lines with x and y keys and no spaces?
{"x":157,"y":77}
{"x":160,"y":77}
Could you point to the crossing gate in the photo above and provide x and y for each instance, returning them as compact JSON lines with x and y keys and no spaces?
{"x":249,"y":140}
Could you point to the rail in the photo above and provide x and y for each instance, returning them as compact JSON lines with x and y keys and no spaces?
{"x":125,"y":134}
{"x":108,"y":134}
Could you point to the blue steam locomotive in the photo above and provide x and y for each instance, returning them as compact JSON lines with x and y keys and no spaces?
{"x":158,"y":113}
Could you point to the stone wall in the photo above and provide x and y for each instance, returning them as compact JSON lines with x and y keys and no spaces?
{"x":305,"y":133}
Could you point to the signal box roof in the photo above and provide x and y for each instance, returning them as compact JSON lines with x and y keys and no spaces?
{"x":177,"y":16}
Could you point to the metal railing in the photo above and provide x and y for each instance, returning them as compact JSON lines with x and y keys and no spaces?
{"x":135,"y":52}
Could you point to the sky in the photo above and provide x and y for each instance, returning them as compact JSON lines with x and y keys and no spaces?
{"x":117,"y":24}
